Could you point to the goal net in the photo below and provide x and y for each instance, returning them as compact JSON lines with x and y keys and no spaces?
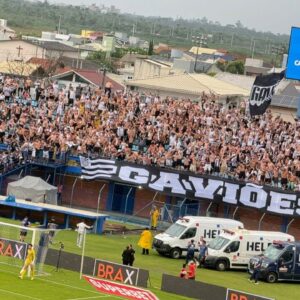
{"x":14,"y":240}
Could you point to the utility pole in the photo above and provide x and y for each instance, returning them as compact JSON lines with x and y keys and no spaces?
{"x":269,"y":50}
{"x":78,"y":56}
{"x":232,"y":37}
{"x":251,"y":45}
{"x":253,"y":49}
{"x":113,"y":24}
{"x":153,"y":31}
{"x":266,"y":49}
{"x":134,"y":27}
{"x":221,"y":38}
{"x":277,"y":51}
{"x":172,"y":32}
{"x":59,"y":23}
{"x":199,"y":41}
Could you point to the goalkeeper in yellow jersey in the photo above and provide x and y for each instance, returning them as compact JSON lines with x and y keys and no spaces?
{"x":29,"y":262}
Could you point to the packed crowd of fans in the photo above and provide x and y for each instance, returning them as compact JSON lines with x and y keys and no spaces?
{"x":202,"y":137}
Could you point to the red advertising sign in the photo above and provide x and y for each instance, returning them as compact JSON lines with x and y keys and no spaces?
{"x":120,"y":290}
{"x":238,"y":295}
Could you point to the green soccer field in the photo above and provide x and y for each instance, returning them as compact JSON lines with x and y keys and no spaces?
{"x":67,"y":285}
{"x":60,"y":285}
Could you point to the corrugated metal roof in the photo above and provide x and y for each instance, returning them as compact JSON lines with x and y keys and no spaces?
{"x":131,"y":57}
{"x":244,"y":82}
{"x":192,"y":84}
{"x":202,"y":50}
{"x":285,"y":101}
{"x":288,"y":95}
{"x":52,"y":45}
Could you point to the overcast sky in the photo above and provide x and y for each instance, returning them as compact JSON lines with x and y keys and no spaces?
{"x":276,"y":16}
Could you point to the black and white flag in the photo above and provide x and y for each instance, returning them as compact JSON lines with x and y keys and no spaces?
{"x":96,"y":168}
{"x":262,"y":92}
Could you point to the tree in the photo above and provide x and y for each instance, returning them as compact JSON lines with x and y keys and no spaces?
{"x":20,"y":68}
{"x":239,"y":24}
{"x":221,"y":65}
{"x":99,"y":57}
{"x":236,"y":67}
{"x":119,"y":52}
{"x":137,"y":51}
{"x":151,"y":48}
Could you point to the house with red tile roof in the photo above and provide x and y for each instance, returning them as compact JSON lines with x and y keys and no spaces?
{"x":75,"y":77}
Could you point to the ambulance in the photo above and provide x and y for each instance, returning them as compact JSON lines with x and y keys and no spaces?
{"x":280,"y":262}
{"x":232,"y":249}
{"x":175,"y":239}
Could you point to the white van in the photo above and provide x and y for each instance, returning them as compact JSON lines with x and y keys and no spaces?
{"x":175,"y":239}
{"x":232,"y":249}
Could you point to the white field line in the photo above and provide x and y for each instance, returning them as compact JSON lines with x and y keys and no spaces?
{"x":17,"y":294}
{"x":67,"y":285}
{"x":94,"y":297}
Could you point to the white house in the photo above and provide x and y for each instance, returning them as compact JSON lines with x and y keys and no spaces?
{"x":128,"y":64}
{"x":76,"y":77}
{"x":6,"y":33}
{"x":21,"y":50}
{"x":149,"y":68}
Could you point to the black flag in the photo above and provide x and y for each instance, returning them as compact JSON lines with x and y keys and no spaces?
{"x":262,"y":92}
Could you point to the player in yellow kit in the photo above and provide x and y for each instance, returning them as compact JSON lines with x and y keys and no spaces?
{"x":29,"y":262}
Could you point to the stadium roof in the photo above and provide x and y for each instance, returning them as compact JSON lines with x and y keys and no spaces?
{"x":191,"y":84}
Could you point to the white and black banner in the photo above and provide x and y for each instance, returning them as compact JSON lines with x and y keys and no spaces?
{"x":262,"y":92}
{"x":191,"y":186}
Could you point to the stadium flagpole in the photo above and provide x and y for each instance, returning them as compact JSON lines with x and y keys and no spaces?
{"x":82,"y":253}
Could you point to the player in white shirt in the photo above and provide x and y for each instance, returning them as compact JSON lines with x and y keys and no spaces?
{"x":81,"y":227}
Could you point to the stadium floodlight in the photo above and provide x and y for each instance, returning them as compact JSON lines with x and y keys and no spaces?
{"x":199,"y":41}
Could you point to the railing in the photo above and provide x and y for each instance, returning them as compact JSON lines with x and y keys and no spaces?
{"x":62,"y":158}
{"x":171,"y":212}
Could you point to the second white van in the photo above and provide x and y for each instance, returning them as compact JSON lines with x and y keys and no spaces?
{"x":232,"y":249}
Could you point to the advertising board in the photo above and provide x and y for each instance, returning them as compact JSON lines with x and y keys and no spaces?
{"x":293,"y":63}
